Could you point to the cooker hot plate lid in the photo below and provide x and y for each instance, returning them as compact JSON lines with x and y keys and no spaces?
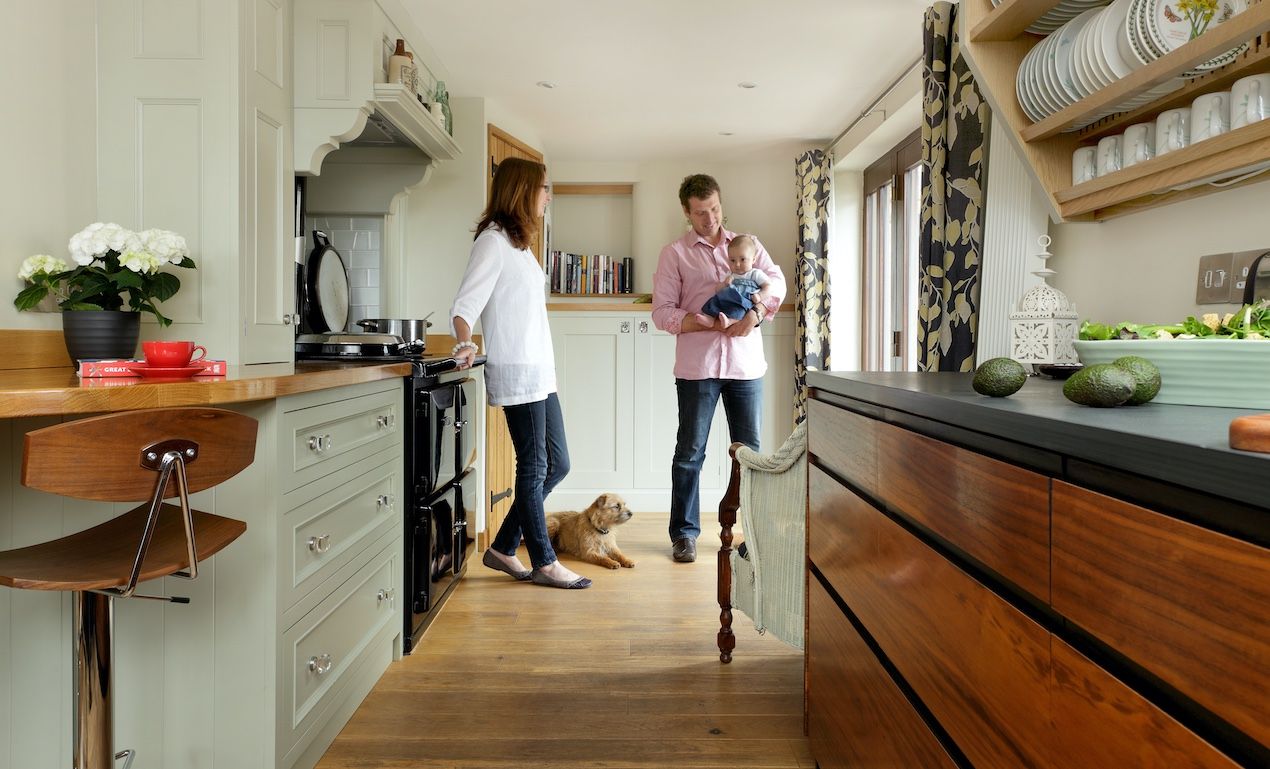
{"x":327,"y":286}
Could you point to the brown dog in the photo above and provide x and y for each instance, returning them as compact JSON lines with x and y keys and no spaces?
{"x":589,"y":534}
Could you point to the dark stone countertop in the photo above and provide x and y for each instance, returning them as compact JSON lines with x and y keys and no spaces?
{"x":1182,"y":445}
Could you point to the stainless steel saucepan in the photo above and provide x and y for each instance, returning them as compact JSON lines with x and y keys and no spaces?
{"x":409,"y":329}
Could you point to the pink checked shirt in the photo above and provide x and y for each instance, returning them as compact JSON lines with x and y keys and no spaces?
{"x":688,"y":271}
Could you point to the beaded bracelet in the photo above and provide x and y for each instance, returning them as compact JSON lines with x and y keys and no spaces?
{"x":465,"y":345}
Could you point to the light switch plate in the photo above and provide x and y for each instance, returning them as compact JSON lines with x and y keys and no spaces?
{"x":1241,"y":261}
{"x":1213,"y":285}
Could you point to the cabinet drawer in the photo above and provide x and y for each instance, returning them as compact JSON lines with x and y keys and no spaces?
{"x":844,"y":442}
{"x":995,"y":512}
{"x":327,"y":642}
{"x":857,"y":715}
{"x":978,"y":664}
{"x":1188,"y":604}
{"x":328,"y":531}
{"x":1099,"y":723}
{"x":319,"y":439}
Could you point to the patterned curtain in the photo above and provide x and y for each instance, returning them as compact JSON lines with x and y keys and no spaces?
{"x":813,"y":171}
{"x":954,"y":149}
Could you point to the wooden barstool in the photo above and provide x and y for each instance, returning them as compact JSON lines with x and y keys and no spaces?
{"x":126,"y":457}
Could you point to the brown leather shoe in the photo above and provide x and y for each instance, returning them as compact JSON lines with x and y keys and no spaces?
{"x":684,"y":550}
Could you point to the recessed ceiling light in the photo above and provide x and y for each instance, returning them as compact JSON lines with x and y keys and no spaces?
{"x":546,"y":84}
{"x":725,"y":133}
{"x":746,"y":84}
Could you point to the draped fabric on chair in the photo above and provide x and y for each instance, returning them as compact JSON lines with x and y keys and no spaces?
{"x":814,"y":173}
{"x":954,"y":135}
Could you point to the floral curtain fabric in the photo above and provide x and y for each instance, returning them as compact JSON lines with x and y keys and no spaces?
{"x":954,"y":135}
{"x":814,"y":173}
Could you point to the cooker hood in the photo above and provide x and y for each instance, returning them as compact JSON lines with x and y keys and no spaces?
{"x":342,"y":93}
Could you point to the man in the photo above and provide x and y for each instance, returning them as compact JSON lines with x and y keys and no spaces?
{"x":710,"y":361}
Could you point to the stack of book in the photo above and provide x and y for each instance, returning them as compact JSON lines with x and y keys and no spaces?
{"x":590,"y":274}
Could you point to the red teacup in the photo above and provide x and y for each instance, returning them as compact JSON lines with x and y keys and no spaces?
{"x":172,"y":354}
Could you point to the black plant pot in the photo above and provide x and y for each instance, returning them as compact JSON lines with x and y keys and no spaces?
{"x":101,"y":334}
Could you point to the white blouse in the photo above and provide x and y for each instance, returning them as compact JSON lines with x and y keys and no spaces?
{"x":504,"y":288}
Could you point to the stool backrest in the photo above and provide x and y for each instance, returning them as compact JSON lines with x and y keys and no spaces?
{"x":99,"y":458}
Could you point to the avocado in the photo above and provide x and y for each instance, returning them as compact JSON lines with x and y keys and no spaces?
{"x":1146,"y":375}
{"x":999,"y":377}
{"x":1102,"y":385}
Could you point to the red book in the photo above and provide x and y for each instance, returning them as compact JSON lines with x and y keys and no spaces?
{"x":120,"y":368}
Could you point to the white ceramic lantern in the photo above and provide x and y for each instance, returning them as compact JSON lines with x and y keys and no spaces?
{"x":1043,"y":326}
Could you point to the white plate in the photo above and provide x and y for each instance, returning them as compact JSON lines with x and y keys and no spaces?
{"x":1113,"y":23}
{"x":1082,"y":71}
{"x":1097,"y":56}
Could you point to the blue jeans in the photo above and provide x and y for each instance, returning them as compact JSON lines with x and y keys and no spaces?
{"x":542,"y":461}
{"x":742,"y":404}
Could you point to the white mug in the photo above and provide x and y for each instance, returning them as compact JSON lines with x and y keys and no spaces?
{"x":1249,"y":100}
{"x":1138,"y":144}
{"x":1109,"y":154}
{"x":1084,"y":164}
{"x":1172,"y":130}
{"x":1210,"y":115}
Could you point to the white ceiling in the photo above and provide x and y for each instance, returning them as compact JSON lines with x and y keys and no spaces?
{"x":657,"y":79}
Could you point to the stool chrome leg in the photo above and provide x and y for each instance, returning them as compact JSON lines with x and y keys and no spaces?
{"x":93,"y":670}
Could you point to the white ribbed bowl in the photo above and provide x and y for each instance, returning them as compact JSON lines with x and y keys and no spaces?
{"x":1197,"y":372}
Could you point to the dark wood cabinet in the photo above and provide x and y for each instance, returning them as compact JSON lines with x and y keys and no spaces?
{"x":964,"y":610}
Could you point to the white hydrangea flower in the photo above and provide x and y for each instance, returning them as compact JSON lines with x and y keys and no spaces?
{"x":164,"y":244}
{"x":41,"y":263}
{"x":97,"y":239}
{"x":141,"y":261}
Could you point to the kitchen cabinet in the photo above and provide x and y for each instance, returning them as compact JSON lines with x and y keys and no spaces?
{"x":994,"y":43}
{"x":996,"y":579}
{"x":194,"y":117}
{"x":617,"y":392}
{"x":286,"y":631}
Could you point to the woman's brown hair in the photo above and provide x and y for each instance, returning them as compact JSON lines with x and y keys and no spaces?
{"x":513,"y":200}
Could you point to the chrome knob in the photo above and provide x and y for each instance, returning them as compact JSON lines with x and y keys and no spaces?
{"x":625,"y":327}
{"x":387,"y":594}
{"x":316,"y":444}
{"x":643,"y":327}
{"x":286,"y":320}
{"x":384,"y":500}
{"x":320,"y":544}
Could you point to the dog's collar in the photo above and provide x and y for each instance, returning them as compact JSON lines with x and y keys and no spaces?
{"x":597,"y":528}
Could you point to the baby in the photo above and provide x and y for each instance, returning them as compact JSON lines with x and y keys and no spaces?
{"x":744,"y":288}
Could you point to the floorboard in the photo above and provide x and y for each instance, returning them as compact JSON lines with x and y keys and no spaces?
{"x":624,"y":675}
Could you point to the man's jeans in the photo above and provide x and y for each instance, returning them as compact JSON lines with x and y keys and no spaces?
{"x":542,"y":461}
{"x":742,"y":404}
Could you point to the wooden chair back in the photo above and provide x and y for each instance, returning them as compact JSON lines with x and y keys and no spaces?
{"x":100,"y":458}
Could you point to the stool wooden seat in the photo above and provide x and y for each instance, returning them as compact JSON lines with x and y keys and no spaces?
{"x":131,"y":456}
{"x":102,"y":557}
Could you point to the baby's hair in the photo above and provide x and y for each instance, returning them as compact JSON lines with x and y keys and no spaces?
{"x":745,"y":243}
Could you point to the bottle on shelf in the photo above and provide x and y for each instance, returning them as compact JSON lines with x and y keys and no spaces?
{"x":443,"y":98}
{"x":401,"y":66}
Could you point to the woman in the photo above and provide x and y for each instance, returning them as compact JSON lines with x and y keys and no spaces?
{"x":503,"y":286}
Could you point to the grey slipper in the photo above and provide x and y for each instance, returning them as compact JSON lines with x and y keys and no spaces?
{"x":491,"y":560}
{"x":538,"y":578}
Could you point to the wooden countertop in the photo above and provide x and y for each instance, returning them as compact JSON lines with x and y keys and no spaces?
{"x":51,"y":391}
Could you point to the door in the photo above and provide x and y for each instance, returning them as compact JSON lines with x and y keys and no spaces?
{"x":594,"y":375}
{"x":503,"y":145}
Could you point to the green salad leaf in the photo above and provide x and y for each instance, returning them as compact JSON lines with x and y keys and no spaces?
{"x":1252,"y":321}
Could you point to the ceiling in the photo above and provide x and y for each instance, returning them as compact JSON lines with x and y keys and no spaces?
{"x":657,"y":79}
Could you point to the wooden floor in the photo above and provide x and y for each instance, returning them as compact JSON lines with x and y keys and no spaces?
{"x":624,"y":674}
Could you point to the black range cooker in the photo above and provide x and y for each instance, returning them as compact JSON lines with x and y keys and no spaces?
{"x":441,"y":483}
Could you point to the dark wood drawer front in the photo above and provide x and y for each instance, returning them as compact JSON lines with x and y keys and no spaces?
{"x":978,"y":664}
{"x":1102,"y":724}
{"x":859,"y":717}
{"x":997,"y":513}
{"x":845,"y":442}
{"x":1186,"y":603}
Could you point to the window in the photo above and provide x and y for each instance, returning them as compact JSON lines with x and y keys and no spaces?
{"x":892,"y":227}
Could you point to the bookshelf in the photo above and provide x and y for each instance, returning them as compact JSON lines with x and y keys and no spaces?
{"x":592,"y":226}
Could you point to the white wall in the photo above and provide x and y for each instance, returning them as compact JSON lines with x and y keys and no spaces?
{"x":1142,"y":267}
{"x":49,"y":135}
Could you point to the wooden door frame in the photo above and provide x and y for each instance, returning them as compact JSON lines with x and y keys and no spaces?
{"x":492,"y":133}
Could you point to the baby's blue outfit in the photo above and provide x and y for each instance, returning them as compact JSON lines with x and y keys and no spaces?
{"x":733,"y":300}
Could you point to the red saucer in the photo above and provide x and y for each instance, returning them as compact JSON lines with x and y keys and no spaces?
{"x":166,"y":372}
